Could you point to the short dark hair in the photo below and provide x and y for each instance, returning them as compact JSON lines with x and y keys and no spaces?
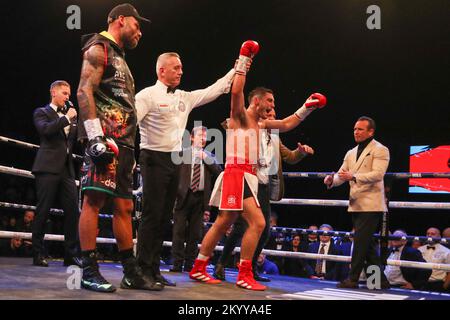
{"x":59,"y":83}
{"x":259,"y":92}
{"x":369,"y":120}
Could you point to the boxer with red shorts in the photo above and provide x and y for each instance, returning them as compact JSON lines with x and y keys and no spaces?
{"x":235,"y":191}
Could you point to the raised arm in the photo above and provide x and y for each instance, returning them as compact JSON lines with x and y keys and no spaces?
{"x":315,"y":101}
{"x":237,"y":97}
{"x":248,"y":50}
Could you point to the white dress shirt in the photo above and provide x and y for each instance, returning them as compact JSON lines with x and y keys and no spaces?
{"x":162,"y":116}
{"x":393,"y":273}
{"x":269,"y":156}
{"x":60,"y":114}
{"x":440,"y":254}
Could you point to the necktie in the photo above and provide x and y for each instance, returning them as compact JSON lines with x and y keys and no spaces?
{"x":431,"y":247}
{"x":393,"y":250}
{"x":195,"y":183}
{"x":320,"y":261}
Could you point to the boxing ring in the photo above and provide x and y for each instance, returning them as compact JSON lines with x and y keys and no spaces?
{"x":20,"y":280}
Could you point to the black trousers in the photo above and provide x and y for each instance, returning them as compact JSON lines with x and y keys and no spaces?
{"x":61,"y":187}
{"x":160,"y":178}
{"x":187,"y":227}
{"x":364,"y":246}
{"x":240,"y":226}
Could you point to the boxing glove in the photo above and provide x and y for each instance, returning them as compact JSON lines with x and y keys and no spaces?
{"x":315,"y":101}
{"x":101,"y":150}
{"x":248,"y":50}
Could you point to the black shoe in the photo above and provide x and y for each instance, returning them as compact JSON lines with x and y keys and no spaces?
{"x":71,"y":261}
{"x":134,"y":278}
{"x":92,"y":279}
{"x":219,"y":272}
{"x":165,"y":281}
{"x":348,"y":284}
{"x":259,"y":277}
{"x":176,"y":269}
{"x":40,"y":261}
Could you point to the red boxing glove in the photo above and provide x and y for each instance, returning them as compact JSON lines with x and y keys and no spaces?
{"x":317,"y":100}
{"x":249,"y":48}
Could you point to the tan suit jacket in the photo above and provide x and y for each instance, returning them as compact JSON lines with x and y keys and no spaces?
{"x":367,"y":191}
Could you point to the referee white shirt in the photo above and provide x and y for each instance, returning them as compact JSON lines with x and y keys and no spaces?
{"x":162,"y":116}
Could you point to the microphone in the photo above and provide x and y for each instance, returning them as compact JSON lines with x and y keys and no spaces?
{"x":67,"y":105}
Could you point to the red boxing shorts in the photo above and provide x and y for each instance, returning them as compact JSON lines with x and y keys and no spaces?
{"x":228,"y":192}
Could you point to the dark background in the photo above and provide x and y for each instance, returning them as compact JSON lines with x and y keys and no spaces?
{"x":397,"y":75}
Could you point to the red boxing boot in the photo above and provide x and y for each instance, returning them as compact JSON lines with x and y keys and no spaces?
{"x":245,"y":277}
{"x":199,"y":273}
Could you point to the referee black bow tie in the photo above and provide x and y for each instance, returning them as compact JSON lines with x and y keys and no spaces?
{"x":169,"y":90}
{"x":431,"y":247}
{"x":395,"y":250}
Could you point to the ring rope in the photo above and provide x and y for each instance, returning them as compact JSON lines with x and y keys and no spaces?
{"x":286,"y":201}
{"x":284,"y":230}
{"x":286,"y":254}
{"x":33,"y":208}
{"x":397,"y":175}
{"x":344,"y":203}
{"x":22,"y":173}
{"x":29,"y":145}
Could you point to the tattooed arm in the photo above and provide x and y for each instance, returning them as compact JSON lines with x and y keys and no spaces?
{"x":91,"y":74}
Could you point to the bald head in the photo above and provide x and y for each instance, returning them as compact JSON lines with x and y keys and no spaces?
{"x":433,"y":232}
{"x":446,"y":233}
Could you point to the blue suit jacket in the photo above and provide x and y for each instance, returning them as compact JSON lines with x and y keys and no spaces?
{"x":332,"y":267}
{"x":52,"y":154}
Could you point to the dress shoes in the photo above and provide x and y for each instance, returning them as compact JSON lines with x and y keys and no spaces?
{"x":259,"y":277}
{"x":219,"y":272}
{"x":40,"y":261}
{"x":72,"y":261}
{"x":176,"y":268}
{"x":188,"y":266}
{"x":348,"y":284}
{"x":164,"y":281}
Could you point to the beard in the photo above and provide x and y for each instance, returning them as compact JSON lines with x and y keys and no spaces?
{"x":130,"y":43}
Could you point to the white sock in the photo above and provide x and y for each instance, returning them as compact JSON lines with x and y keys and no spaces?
{"x":202,"y":257}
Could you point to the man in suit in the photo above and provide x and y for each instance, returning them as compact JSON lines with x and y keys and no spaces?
{"x":364,"y":167}
{"x":407,"y":278}
{"x":54,"y":171}
{"x":323,"y":269}
{"x":198,"y":173}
